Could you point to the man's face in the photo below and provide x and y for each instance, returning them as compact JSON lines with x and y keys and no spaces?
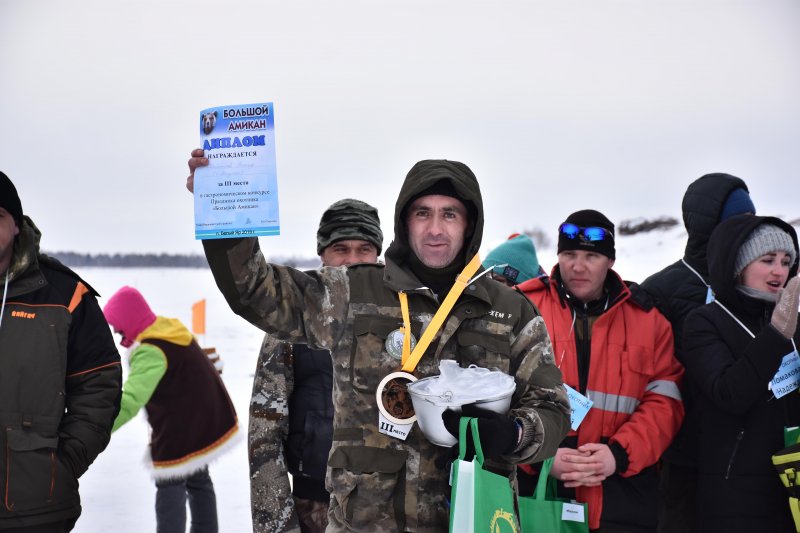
{"x":349,"y":252}
{"x":8,"y":230}
{"x":584,"y":273}
{"x":436,"y":228}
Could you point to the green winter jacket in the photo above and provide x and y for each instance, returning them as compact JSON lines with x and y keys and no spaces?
{"x":60,"y":381}
{"x":380,"y":483}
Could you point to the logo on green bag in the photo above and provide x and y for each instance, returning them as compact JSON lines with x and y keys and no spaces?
{"x":499,"y":521}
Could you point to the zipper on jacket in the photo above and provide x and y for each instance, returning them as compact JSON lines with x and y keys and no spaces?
{"x":9,"y":505}
{"x":733,"y":453}
{"x":584,"y":352}
{"x":52,"y":476}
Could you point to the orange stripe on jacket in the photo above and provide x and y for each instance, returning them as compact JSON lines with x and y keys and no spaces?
{"x":80,"y":290}
{"x":115,"y":363}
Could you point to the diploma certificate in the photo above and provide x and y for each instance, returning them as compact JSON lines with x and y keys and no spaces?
{"x":236,"y":195}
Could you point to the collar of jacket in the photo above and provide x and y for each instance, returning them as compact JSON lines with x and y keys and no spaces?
{"x":167,"y":329}
{"x":399,"y":279}
{"x":24,"y":273}
{"x":616,"y":290}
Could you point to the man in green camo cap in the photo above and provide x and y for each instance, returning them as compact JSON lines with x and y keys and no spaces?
{"x":291,"y":411}
{"x":349,"y":219}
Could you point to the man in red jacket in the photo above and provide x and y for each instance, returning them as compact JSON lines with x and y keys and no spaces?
{"x":615,"y":351}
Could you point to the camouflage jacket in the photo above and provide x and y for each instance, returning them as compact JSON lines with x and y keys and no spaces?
{"x":271,"y":503}
{"x":379,"y":483}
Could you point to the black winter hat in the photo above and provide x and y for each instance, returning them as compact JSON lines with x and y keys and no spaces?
{"x":9,"y":199}
{"x":587,"y":218}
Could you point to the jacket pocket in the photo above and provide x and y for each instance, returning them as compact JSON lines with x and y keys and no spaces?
{"x":35,"y":477}
{"x":639,"y":368}
{"x":370,"y":361}
{"x":484,"y":349}
{"x":364,"y":480}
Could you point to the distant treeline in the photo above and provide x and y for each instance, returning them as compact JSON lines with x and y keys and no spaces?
{"x":73,"y":259}
{"x":77,"y":260}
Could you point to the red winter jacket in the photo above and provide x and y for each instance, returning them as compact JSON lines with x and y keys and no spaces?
{"x":633,"y":381}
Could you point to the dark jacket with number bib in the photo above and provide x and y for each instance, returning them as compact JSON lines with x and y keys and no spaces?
{"x":740,"y":423}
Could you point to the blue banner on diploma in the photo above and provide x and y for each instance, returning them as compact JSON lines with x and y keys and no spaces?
{"x":236,"y":195}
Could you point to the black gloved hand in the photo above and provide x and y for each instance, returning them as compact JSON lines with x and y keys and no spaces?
{"x":499,"y":434}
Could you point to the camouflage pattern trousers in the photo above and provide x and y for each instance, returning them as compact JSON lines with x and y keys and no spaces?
{"x":313,"y":515}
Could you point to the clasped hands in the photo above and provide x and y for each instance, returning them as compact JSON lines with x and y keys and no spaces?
{"x":588,"y":465}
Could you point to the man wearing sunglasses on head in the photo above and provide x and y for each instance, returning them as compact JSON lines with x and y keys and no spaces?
{"x":615,"y":350}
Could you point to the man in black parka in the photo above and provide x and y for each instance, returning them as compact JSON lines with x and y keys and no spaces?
{"x":678,"y":289}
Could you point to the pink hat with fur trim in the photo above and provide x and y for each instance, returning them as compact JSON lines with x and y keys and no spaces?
{"x":128,"y":313}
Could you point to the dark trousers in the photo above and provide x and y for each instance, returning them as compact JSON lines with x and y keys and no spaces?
{"x":171,"y":497}
{"x":677,"y":489}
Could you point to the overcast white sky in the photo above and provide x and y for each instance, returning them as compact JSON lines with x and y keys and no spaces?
{"x":556,"y":106}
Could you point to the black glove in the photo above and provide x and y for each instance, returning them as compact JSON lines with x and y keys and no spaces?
{"x":499,"y":434}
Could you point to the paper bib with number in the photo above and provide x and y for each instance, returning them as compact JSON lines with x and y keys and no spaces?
{"x":787,"y":378}
{"x":579,"y":407}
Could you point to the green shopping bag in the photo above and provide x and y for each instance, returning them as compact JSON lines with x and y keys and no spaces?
{"x":481,"y":501}
{"x":544,"y":513}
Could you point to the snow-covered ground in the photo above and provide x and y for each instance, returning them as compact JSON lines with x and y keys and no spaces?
{"x":118,"y":494}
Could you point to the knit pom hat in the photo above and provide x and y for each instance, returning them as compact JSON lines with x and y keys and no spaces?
{"x":128,"y":313}
{"x":587,"y":218}
{"x":349,"y":219}
{"x":515,"y":259}
{"x":764,"y":239}
{"x":9,"y":199}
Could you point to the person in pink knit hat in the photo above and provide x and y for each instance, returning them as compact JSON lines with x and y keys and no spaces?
{"x":192,"y":417}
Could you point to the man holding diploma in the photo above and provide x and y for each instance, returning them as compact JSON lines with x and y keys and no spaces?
{"x":379,"y":480}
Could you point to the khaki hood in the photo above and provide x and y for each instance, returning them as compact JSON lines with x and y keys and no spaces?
{"x":424,"y":175}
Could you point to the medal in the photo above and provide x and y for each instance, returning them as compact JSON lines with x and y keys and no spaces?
{"x":396,"y":411}
{"x":394,"y":405}
{"x":394,"y":343}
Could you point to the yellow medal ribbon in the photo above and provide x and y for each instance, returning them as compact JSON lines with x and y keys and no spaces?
{"x":411,"y":359}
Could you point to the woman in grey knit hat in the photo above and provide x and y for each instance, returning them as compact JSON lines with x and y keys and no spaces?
{"x":739,"y":352}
